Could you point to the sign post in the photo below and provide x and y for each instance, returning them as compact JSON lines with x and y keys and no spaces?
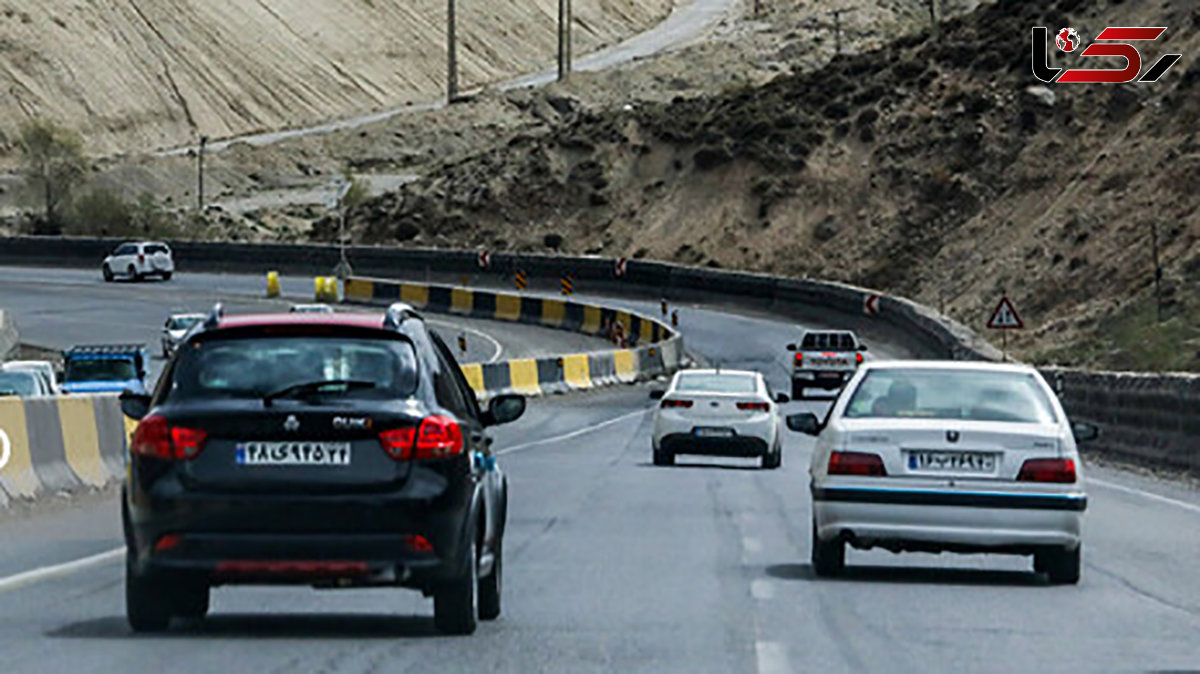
{"x":1005,"y":318}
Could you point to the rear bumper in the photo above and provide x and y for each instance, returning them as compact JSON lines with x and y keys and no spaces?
{"x":953,"y":521}
{"x":739,"y":445}
{"x":822,"y":378}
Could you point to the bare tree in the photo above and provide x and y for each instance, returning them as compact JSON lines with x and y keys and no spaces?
{"x":52,"y":162}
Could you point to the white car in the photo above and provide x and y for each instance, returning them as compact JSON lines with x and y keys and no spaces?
{"x":932,"y":456}
{"x":175,"y":329}
{"x":136,"y":261}
{"x":42,"y":369}
{"x":718,"y":412}
{"x":310,"y":309}
{"x":22,"y":384}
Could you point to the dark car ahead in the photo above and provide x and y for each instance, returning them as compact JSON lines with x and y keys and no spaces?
{"x":328,"y":450}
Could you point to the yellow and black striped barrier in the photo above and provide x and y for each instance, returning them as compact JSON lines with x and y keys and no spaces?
{"x":521,"y":279}
{"x":568,"y":285}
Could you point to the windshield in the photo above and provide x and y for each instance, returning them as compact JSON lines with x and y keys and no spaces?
{"x":254,"y":367}
{"x":974,"y":395}
{"x":716,"y":383}
{"x":100,"y":369}
{"x":19,"y":384}
{"x":822,"y":341}
{"x":183,"y":323}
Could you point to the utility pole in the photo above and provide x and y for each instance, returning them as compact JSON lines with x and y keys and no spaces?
{"x":1158,"y":272}
{"x":837,"y":26}
{"x":933,"y":19}
{"x":451,"y":54}
{"x":564,"y":39}
{"x":200,"y":174}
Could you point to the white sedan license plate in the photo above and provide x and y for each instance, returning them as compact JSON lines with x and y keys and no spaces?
{"x":952,"y":462}
{"x":713,"y":432}
{"x":293,"y":454}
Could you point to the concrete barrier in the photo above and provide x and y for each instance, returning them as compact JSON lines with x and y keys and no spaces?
{"x":10,"y":338}
{"x":60,"y":444}
{"x":658,"y":349}
{"x":1148,"y":419}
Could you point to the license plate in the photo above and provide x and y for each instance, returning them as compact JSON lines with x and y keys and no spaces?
{"x":293,"y":454}
{"x":952,"y":462}
{"x":713,"y":432}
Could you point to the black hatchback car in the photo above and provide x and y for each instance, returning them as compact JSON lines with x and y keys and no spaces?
{"x":328,"y":450}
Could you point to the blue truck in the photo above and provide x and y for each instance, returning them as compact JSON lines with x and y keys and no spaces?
{"x":105,"y":368}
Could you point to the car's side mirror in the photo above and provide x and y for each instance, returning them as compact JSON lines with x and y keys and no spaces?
{"x":657,"y":394}
{"x":806,"y":423}
{"x":504,"y":409}
{"x":1085,"y":432}
{"x":792,"y":347}
{"x":135,"y":405}
{"x":782,"y":398}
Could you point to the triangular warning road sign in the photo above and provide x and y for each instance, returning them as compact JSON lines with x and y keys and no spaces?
{"x":1005,"y":317}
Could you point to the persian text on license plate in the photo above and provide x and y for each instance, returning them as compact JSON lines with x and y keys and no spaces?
{"x":952,"y":462}
{"x":293,"y":453}
{"x":713,"y":432}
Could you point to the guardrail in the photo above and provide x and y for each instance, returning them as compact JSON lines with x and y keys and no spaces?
{"x":656,"y":348}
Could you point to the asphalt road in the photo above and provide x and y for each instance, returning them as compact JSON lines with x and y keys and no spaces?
{"x":614,"y":565}
{"x":57,"y":309}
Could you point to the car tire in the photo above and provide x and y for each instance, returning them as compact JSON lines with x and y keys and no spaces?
{"x":147,"y":605}
{"x":108,"y":274}
{"x":1062,"y":566}
{"x":797,"y":390}
{"x":491,"y":586}
{"x":773,"y":460}
{"x":456,"y":603}
{"x":133,"y":274}
{"x":166,"y":276}
{"x":662,"y":458}
{"x":828,"y":557}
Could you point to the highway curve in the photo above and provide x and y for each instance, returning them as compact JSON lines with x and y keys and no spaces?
{"x":614,"y":565}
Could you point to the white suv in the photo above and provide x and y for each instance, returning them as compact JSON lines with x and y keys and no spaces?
{"x":136,"y":261}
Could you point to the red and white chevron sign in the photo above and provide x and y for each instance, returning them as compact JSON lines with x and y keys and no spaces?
{"x":621,"y":267}
{"x":485,"y":259}
{"x":871,"y":305}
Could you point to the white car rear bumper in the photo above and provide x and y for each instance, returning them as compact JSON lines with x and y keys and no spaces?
{"x":918,"y":519}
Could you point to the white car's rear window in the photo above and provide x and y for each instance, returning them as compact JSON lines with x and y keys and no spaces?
{"x":717,"y":383}
{"x":973,"y":395}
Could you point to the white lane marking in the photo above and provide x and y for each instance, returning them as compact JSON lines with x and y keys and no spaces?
{"x":572,"y":434}
{"x":1146,"y":494}
{"x":496,"y":345}
{"x":27,"y":578}
{"x":762,"y":589}
{"x":772,"y":657}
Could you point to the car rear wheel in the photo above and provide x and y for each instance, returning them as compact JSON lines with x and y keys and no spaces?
{"x":491,"y":585}
{"x":192,"y":600}
{"x":108,"y":274}
{"x":828,"y":557}
{"x":456,"y":604}
{"x":663,"y":458}
{"x":166,"y":276}
{"x":147,"y":607}
{"x":1062,"y":566}
{"x":797,"y":390}
{"x":773,"y":460}
{"x":132,"y":273}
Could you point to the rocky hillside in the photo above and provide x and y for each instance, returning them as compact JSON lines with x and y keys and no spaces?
{"x":935,"y":166}
{"x":135,"y":75}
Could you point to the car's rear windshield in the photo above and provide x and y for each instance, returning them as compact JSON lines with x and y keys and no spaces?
{"x":100,"y":369}
{"x":974,"y":395}
{"x":828,"y":341}
{"x":18,"y":384}
{"x":183,"y":323}
{"x":717,"y":383}
{"x":157,"y":248}
{"x":253,"y":367}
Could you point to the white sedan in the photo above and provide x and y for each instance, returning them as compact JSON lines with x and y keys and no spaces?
{"x":718,"y":412}
{"x":948,"y":457}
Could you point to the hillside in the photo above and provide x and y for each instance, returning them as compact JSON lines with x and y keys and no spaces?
{"x":135,"y":75}
{"x":934,"y":168}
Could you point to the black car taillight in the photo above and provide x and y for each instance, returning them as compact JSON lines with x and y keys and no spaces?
{"x":863,"y":464}
{"x":438,"y":437}
{"x":158,"y":439}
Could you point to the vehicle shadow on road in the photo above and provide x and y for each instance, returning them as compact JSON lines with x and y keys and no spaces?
{"x":262,"y":626}
{"x":683,"y":465}
{"x":910,"y":574}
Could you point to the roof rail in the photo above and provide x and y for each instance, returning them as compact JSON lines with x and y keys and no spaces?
{"x":397,"y":313}
{"x":215,"y":316}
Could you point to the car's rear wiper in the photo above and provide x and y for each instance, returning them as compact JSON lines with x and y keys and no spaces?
{"x":324,"y":386}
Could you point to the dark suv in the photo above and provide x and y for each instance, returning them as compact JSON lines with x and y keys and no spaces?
{"x":330,"y":450}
